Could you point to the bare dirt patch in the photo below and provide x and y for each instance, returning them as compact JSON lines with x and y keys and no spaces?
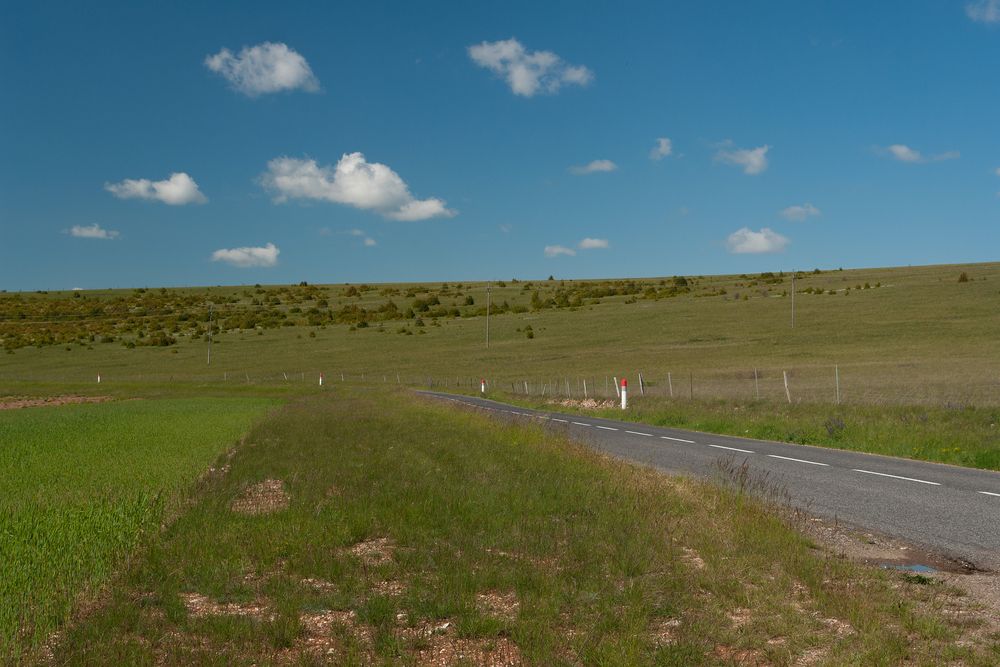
{"x":201,"y":606}
{"x":375,"y":551}
{"x":16,"y":402}
{"x":504,"y":606}
{"x":586,"y":403}
{"x":389,"y":588}
{"x":437,"y":645}
{"x":664,"y":631}
{"x":692,"y":558}
{"x":262,"y":498}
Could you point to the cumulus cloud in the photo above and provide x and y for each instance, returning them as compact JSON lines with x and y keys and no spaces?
{"x":983,"y":11}
{"x":556,"y":250}
{"x":370,"y":242}
{"x":248,"y":257}
{"x":528,"y":72}
{"x":753,"y":160}
{"x":93,"y":231}
{"x":352,"y":181}
{"x":265,"y":68}
{"x":663,"y":148}
{"x":594,"y":167}
{"x":800,"y":213}
{"x":904,"y":153}
{"x":746,"y":241}
{"x":591,"y":244}
{"x":177,"y":190}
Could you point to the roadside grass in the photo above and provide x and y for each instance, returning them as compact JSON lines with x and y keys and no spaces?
{"x":966,"y":436}
{"x":82,"y":486}
{"x":374,"y":527}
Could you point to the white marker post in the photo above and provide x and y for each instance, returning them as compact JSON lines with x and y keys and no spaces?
{"x":624,"y":393}
{"x":98,"y":378}
{"x":321,"y":379}
{"x":482,"y":386}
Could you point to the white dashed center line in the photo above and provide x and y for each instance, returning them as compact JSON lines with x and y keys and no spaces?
{"x":990,"y":493}
{"x":667,"y":437}
{"x":732,"y":449}
{"x":648,"y":435}
{"x":885,"y":474}
{"x":789,"y":458}
{"x":556,"y":419}
{"x":606,"y":428}
{"x":580,"y":424}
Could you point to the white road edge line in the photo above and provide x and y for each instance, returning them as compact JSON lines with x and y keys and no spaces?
{"x":733,"y":449}
{"x":789,"y":458}
{"x":885,"y":474}
{"x":990,"y":493}
{"x":667,"y":437}
{"x":648,"y":435}
{"x":556,"y":419}
{"x":606,"y":428}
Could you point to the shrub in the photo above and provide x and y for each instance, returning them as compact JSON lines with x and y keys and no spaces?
{"x":963,"y":277}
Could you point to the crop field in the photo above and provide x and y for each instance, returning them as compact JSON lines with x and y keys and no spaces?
{"x":83,"y":485}
{"x":373,"y":527}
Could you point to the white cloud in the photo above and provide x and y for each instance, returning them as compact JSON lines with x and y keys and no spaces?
{"x":528,"y":72}
{"x":353,"y":181}
{"x":591,"y":244}
{"x":266,"y":68}
{"x":747,"y":241}
{"x":248,"y":257}
{"x":997,"y":171}
{"x":556,"y":250}
{"x":904,"y":153}
{"x":663,"y":148}
{"x":370,"y":242}
{"x":753,"y":160}
{"x":800,"y":213}
{"x":594,"y":167}
{"x":93,"y":231}
{"x":177,"y":190}
{"x":984,"y":11}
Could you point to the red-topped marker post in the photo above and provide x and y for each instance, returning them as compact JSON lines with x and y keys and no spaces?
{"x":321,"y":379}
{"x":482,"y":386}
{"x":624,"y":393}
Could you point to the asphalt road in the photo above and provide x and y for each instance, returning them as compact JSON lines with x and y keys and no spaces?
{"x":946,"y":510}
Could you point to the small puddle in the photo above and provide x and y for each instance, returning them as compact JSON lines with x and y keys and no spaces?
{"x":909,"y":567}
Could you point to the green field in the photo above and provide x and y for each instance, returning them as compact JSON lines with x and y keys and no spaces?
{"x":396,"y":531}
{"x":82,"y":486}
{"x":110,"y":517}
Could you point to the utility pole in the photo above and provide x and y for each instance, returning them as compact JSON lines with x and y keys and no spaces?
{"x":210,"y":306}
{"x":489,"y":289}
{"x":793,"y":299}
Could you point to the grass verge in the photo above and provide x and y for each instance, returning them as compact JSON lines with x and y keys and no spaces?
{"x":82,"y":484}
{"x":371,"y":527}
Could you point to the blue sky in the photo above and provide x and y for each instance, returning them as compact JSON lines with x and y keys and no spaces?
{"x":208,"y":143}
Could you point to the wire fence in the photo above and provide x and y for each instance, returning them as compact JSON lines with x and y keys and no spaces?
{"x":860,"y":384}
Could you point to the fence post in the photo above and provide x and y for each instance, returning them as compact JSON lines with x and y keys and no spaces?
{"x":642,"y":386}
{"x":756,"y":386}
{"x":584,"y":388}
{"x":670,"y":384}
{"x":691,"y":385}
{"x":836,"y":370}
{"x":617,"y":390}
{"x":788,"y":394}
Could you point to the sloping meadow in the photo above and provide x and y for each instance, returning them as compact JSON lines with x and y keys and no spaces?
{"x":373,"y":527}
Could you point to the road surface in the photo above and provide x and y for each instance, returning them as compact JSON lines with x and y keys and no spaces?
{"x":947,"y":510}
